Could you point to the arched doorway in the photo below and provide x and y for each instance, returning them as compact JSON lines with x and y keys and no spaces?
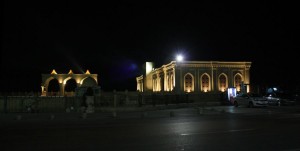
{"x":53,"y":88}
{"x":70,"y":87}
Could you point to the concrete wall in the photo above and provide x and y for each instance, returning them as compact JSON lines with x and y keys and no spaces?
{"x":105,"y":99}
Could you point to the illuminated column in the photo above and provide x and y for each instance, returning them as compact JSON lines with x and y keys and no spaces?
{"x":78,"y":81}
{"x":230,"y":78}
{"x":247,"y":78}
{"x":168,"y":81}
{"x":214,"y":79}
{"x":197,"y":81}
{"x":171,"y":81}
{"x":147,"y":85}
{"x":197,"y":87}
{"x":158,"y":84}
{"x":43,"y":91}
{"x":173,"y":85}
{"x":139,"y":86}
{"x":61,"y":89}
{"x":154,"y":86}
{"x":165,"y":80}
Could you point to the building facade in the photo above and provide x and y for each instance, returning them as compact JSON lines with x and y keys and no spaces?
{"x":194,"y":76}
{"x":82,"y":80}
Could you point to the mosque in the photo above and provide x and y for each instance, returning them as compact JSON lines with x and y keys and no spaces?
{"x":195,"y":76}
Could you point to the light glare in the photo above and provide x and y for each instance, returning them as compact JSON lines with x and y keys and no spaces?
{"x":179,"y":58}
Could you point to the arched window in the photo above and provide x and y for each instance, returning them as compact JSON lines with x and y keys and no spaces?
{"x":188,"y":83}
{"x":205,"y":83}
{"x":238,"y":81}
{"x":222,"y":82}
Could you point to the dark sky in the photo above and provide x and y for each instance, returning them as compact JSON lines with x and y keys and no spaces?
{"x":113,"y":40}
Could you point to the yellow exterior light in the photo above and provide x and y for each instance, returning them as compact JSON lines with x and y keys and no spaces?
{"x":53,"y":71}
{"x":70,"y":72}
{"x":87,"y":72}
{"x":77,"y":80}
{"x":60,"y":80}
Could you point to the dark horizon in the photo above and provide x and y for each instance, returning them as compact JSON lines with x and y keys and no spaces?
{"x":114,"y":40}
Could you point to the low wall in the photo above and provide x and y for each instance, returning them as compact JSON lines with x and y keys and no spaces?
{"x":105,"y":99}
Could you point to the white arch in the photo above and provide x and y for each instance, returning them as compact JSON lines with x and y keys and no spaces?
{"x":62,"y":80}
{"x":86,"y":78}
{"x":46,"y":86}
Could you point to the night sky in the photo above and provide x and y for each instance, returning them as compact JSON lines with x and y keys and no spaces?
{"x":113,"y":40}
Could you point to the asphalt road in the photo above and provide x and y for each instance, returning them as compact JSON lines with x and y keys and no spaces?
{"x":216,"y":128}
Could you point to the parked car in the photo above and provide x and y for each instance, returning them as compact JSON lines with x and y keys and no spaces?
{"x":250,"y":100}
{"x":280,"y":99}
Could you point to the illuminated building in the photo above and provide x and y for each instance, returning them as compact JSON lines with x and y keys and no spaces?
{"x":194,"y":76}
{"x":82,"y":81}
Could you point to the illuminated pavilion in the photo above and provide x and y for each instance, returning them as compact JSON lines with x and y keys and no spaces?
{"x":82,"y":80}
{"x":194,"y":76}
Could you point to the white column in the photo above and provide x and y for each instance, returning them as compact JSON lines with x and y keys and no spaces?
{"x":165,"y":80}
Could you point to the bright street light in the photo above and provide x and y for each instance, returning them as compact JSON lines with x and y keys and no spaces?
{"x":179,"y":58}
